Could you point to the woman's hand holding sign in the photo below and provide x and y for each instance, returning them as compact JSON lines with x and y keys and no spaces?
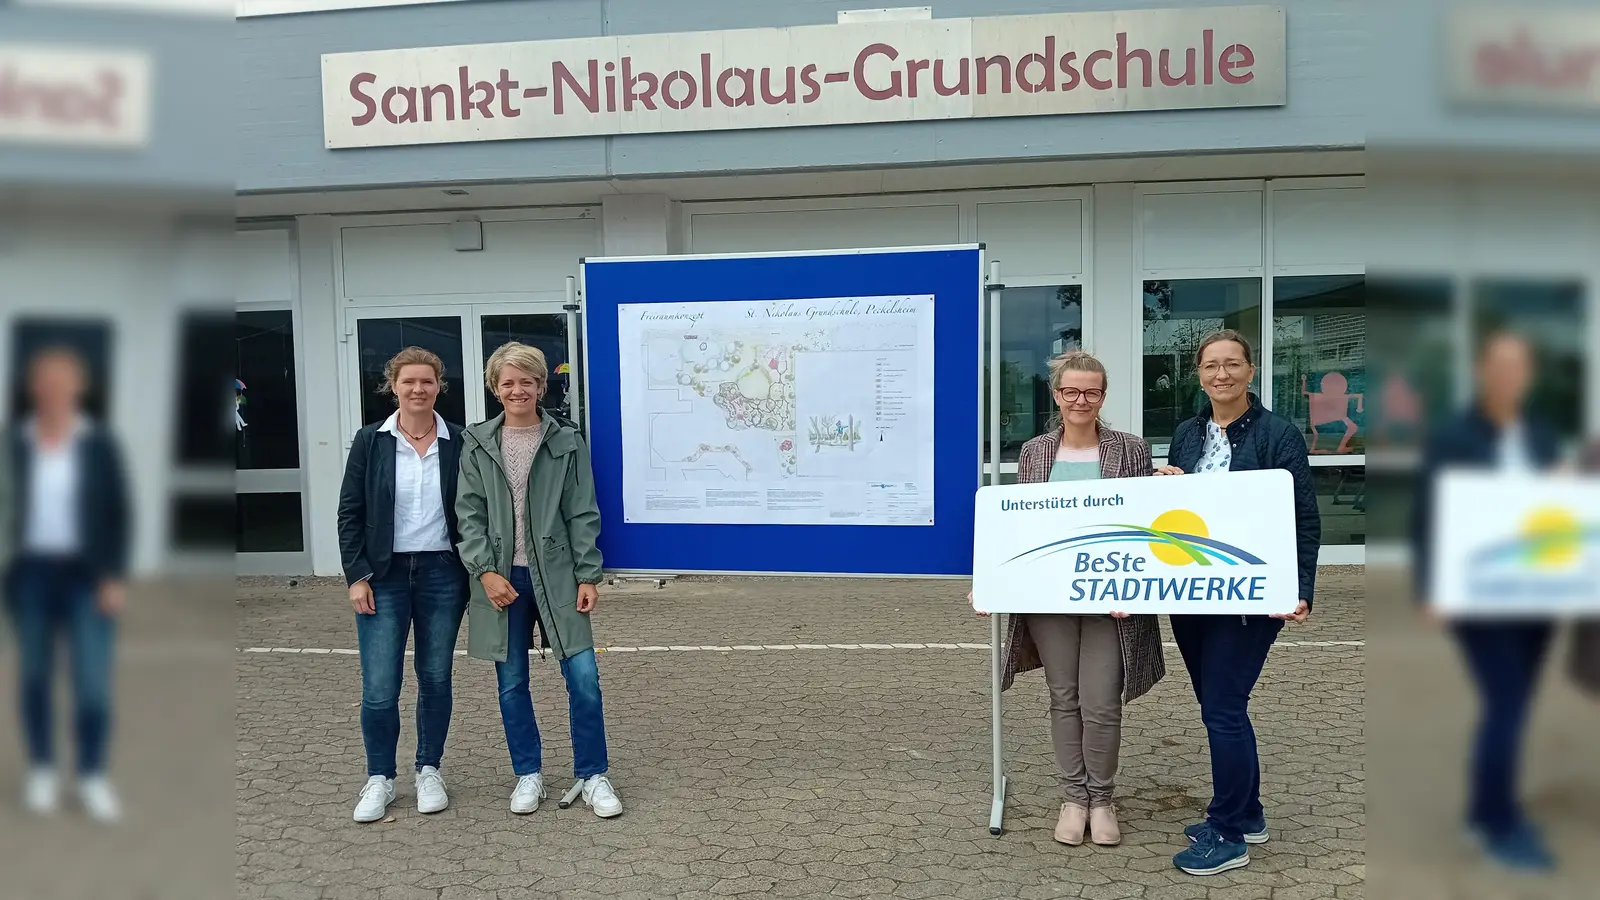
{"x":1299,"y":615}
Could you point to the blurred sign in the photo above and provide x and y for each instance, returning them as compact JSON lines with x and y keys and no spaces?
{"x":1525,"y":58}
{"x":1220,"y":543}
{"x":896,"y":71}
{"x":74,"y":96}
{"x":1516,"y":546}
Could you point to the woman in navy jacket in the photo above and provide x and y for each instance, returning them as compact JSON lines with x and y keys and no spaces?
{"x":71,"y":528}
{"x":397,"y":538}
{"x":1224,"y":653}
{"x":1504,"y":657}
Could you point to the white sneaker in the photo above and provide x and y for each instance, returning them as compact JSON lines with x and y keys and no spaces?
{"x":99,"y":800}
{"x":40,"y":792}
{"x":529,"y":791}
{"x":375,"y":799}
{"x":601,"y":797}
{"x":431,"y":797}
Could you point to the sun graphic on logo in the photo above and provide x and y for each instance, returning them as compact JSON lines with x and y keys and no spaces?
{"x":1552,"y":538}
{"x":1177,"y":521}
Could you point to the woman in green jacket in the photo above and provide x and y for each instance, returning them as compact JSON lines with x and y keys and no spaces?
{"x":529,"y":525}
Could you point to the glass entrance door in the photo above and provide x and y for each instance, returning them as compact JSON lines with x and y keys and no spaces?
{"x":525,"y":323}
{"x":374,"y":336}
{"x":464,"y":336}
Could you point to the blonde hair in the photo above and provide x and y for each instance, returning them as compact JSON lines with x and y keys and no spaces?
{"x":1075,"y":361}
{"x":521,"y":356}
{"x":411,"y":356}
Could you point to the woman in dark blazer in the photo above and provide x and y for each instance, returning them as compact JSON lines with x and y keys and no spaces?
{"x":71,"y":535}
{"x":1504,"y":656}
{"x":1224,"y":654}
{"x":397,"y":537}
{"x":1092,"y":664}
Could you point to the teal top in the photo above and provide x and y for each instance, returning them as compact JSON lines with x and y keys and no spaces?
{"x":1076,"y":465}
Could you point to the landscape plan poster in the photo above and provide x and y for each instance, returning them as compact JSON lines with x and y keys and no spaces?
{"x":778,"y":412}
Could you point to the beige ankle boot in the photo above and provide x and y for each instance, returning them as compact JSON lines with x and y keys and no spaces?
{"x":1103,"y":828}
{"x":1069,"y":828}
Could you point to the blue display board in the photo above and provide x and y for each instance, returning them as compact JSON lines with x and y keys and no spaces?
{"x":953,"y":275}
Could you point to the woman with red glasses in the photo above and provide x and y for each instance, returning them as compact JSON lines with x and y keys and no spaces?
{"x":1093,"y":664}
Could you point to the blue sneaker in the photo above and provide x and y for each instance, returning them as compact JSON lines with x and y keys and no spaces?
{"x":1522,"y":849}
{"x":1254,"y":833}
{"x":1211,"y":854}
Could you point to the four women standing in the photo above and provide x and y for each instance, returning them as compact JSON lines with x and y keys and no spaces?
{"x":506,"y":511}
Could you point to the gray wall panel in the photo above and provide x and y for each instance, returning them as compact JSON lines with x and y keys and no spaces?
{"x":192,"y":142}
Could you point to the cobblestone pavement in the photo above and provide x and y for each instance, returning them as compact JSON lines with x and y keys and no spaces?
{"x":853,"y":772}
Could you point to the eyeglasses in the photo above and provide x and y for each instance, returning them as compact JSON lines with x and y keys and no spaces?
{"x":1073,"y":395}
{"x":1233,"y":367}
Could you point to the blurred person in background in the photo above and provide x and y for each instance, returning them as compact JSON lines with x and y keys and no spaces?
{"x":1505,"y":658}
{"x":72,"y":538}
{"x":1224,"y":654}
{"x":530,"y":524}
{"x":397,"y":534}
{"x":1092,"y":664}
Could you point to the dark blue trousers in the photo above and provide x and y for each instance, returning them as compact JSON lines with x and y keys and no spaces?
{"x":1224,"y":656}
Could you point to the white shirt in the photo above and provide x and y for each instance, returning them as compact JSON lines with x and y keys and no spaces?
{"x":419,"y":522}
{"x":52,"y":527}
{"x":1218,"y":453}
{"x":1512,"y":453}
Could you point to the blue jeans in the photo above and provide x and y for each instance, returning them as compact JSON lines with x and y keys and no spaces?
{"x":49,"y":598}
{"x":516,"y":703}
{"x":1224,"y":656}
{"x":1505,"y":659}
{"x":430,"y":591}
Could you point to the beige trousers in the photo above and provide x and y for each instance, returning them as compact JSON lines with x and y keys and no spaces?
{"x":1082,"y":658}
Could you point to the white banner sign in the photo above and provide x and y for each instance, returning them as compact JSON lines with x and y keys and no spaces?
{"x":1505,"y":546}
{"x":69,"y":96}
{"x":896,"y":71}
{"x":1173,"y":544}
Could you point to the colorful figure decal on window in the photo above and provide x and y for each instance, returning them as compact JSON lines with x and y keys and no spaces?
{"x":238,"y":405}
{"x":1332,"y":406}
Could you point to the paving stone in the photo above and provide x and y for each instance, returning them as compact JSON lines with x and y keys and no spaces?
{"x":804,"y":774}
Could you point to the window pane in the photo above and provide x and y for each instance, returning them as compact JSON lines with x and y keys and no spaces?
{"x":1342,"y":500}
{"x":1036,"y":323}
{"x":1412,"y":359}
{"x":269,"y":523}
{"x":548,"y":332}
{"x":201,"y":521}
{"x":380,"y":339}
{"x":1178,"y":315}
{"x":1550,"y":315}
{"x":267,"y":425}
{"x":205,"y":396}
{"x":1319,"y":359}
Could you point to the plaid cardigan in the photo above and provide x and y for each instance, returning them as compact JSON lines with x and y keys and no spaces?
{"x":1122,"y":455}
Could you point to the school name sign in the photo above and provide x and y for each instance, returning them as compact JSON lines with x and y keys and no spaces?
{"x":937,"y":69}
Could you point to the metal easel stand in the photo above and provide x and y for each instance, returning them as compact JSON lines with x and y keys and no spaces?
{"x":571,"y":796}
{"x":574,"y":401}
{"x":997,"y":808}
